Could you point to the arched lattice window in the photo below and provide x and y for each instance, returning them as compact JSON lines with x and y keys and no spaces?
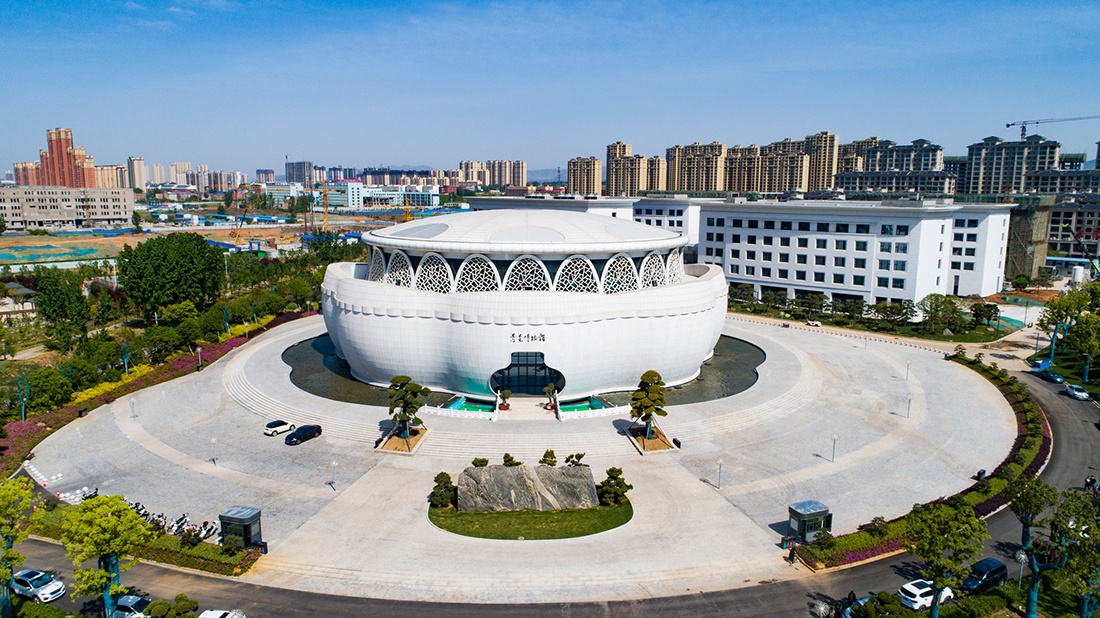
{"x":377,"y":266}
{"x":675,"y":266}
{"x":527,"y":273}
{"x":653,"y":271}
{"x":477,"y":274}
{"x":400,"y":272}
{"x":619,"y":275}
{"x":433,"y":274}
{"x":577,"y":274}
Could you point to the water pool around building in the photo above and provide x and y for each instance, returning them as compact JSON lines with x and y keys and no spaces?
{"x":316,"y":369}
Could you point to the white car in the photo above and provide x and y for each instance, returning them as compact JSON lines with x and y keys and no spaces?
{"x":275,"y":428}
{"x":221,"y":613}
{"x":41,"y":587}
{"x":813,"y":323}
{"x":917,"y":594}
{"x":131,"y":606}
{"x":1077,"y":392}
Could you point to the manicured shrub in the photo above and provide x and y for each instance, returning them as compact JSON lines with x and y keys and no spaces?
{"x":444,"y":493}
{"x":574,"y":461}
{"x":190,"y":539}
{"x":511,"y":462}
{"x":982,"y":605}
{"x":232,"y":544}
{"x":612,"y":491}
{"x":548,"y":459}
{"x":479,"y":462}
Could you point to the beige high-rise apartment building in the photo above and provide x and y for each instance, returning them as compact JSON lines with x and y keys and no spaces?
{"x":627,"y":173}
{"x":920,"y":156}
{"x":137,"y":172}
{"x":112,"y":176}
{"x":619,"y":149}
{"x":177,"y":172}
{"x":156,"y":174}
{"x":656,"y":174}
{"x":751,"y":171}
{"x":500,"y":172}
{"x":696,"y":167}
{"x":823,"y":149}
{"x":519,"y":174}
{"x":996,"y":166}
{"x":849,"y":163}
{"x":859,"y":147}
{"x":585,"y":176}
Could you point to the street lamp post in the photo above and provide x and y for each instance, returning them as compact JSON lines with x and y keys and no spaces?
{"x":198,"y":352}
{"x":834,"y":438}
{"x":908,"y":404}
{"x":907,"y":363}
{"x":333,"y":466}
{"x":133,"y":411}
{"x":720,"y":462}
{"x":214,"y":446}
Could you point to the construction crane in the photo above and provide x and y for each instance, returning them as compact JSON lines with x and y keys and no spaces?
{"x":1023,"y":123}
{"x":1084,"y":250}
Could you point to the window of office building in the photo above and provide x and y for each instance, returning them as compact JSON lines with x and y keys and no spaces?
{"x":765,"y":272}
{"x":970,"y":251}
{"x":819,"y":260}
{"x":968,"y":265}
{"x":898,"y":284}
{"x":766,"y":256}
{"x":822,"y":243}
{"x":784,"y":257}
{"x":901,"y":247}
{"x":768,"y":240}
{"x":735,"y":253}
{"x":860,"y":262}
{"x":822,"y":227}
{"x":753,"y":224}
{"x":734,"y":269}
{"x":971,"y":223}
{"x":750,"y":255}
{"x":956,"y":265}
{"x":841,"y":228}
{"x":884,"y":282}
{"x":857,"y":279}
{"x":885,"y":247}
{"x":884,"y":264}
{"x":819,"y":277}
{"x":861,"y":245}
{"x":902,"y":230}
{"x":800,"y":275}
{"x":720,"y":223}
{"x":785,"y":225}
{"x":958,"y":237}
{"x":750,"y":240}
{"x":784,"y":242}
{"x":735,"y":223}
{"x":750,"y":271}
{"x":782,"y":273}
{"x":710,"y":236}
{"x":735,"y":238}
{"x":800,"y":258}
{"x":838,"y":262}
{"x":803,"y":226}
{"x":960,"y":222}
{"x":803,"y":243}
{"x":769,"y":225}
{"x":838,"y":278}
{"x":971,"y":238}
{"x":887,"y":229}
{"x":720,"y":237}
{"x":710,"y":251}
{"x":899,"y":265}
{"x":863,"y":228}
{"x":710,"y":220}
{"x":840,"y":245}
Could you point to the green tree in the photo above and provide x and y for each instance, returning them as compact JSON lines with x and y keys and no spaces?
{"x":180,"y":311}
{"x":160,"y":342}
{"x":1061,"y":312}
{"x":854,"y":309}
{"x":444,"y":493}
{"x":883,"y":604}
{"x":405,"y":403}
{"x":932,"y":308}
{"x":1084,"y":336}
{"x":3,"y":228}
{"x":574,"y":460}
{"x":61,"y":302}
{"x":1021,"y":281}
{"x":16,"y":497}
{"x":1064,"y":534}
{"x":135,"y":219}
{"x":170,"y":269}
{"x":946,"y":538}
{"x":612,"y":491}
{"x":548,"y":458}
{"x":299,"y":291}
{"x":511,"y":462}
{"x":648,"y":401}
{"x":104,"y":529}
{"x":49,"y":389}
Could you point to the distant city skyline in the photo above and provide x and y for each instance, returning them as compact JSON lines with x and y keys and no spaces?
{"x":239,"y":85}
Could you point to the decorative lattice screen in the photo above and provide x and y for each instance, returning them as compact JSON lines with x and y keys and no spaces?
{"x":619,"y":275}
{"x":577,"y":274}
{"x":433,"y":275}
{"x":477,"y":274}
{"x":527,"y":273}
{"x":400,"y":272}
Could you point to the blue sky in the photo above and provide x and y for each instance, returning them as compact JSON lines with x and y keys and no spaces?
{"x":239,"y":84}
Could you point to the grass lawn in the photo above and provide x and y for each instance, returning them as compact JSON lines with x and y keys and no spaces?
{"x":532,"y":524}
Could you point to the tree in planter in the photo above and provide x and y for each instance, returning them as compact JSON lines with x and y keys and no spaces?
{"x":105,"y":529}
{"x":511,"y":462}
{"x":404,"y":404}
{"x":505,"y":395}
{"x":946,"y":538}
{"x":548,"y":458}
{"x":648,"y":401}
{"x":548,"y":390}
{"x":444,"y":493}
{"x":16,"y":497}
{"x":612,"y":491}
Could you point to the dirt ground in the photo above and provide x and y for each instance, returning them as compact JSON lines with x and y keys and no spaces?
{"x":1041,"y":295}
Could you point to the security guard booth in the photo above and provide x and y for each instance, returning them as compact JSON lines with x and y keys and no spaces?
{"x":807,"y":520}
{"x":243,"y":521}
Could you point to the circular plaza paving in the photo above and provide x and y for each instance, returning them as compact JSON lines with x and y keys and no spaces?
{"x":360,"y":528}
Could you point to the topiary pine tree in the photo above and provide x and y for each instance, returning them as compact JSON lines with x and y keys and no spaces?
{"x":444,"y":493}
{"x":548,"y":459}
{"x":511,"y":462}
{"x":574,"y":461}
{"x":405,"y":402}
{"x":648,"y":401}
{"x":612,"y":491}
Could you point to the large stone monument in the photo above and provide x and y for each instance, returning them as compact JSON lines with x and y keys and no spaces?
{"x":542,"y":488}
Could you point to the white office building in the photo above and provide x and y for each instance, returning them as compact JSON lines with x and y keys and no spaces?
{"x":886,"y":251}
{"x":675,"y":212}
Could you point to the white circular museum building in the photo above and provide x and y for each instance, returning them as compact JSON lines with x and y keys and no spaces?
{"x":475,"y":303}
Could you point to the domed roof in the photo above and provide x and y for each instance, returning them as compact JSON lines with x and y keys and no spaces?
{"x":536,"y":231}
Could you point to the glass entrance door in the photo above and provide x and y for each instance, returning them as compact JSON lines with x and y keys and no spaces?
{"x":528,"y":374}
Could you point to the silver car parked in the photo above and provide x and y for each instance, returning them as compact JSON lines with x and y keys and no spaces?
{"x":37,"y":585}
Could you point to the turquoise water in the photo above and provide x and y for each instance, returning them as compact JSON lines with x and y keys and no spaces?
{"x":471,"y":405}
{"x":42,"y":251}
{"x":580,"y":406}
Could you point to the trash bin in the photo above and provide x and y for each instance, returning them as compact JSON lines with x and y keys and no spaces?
{"x":83,"y":412}
{"x":676,"y":441}
{"x":786,"y":542}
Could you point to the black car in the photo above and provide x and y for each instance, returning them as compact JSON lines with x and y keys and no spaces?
{"x":1051,"y":376}
{"x":303,"y":433}
{"x":985,"y":575}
